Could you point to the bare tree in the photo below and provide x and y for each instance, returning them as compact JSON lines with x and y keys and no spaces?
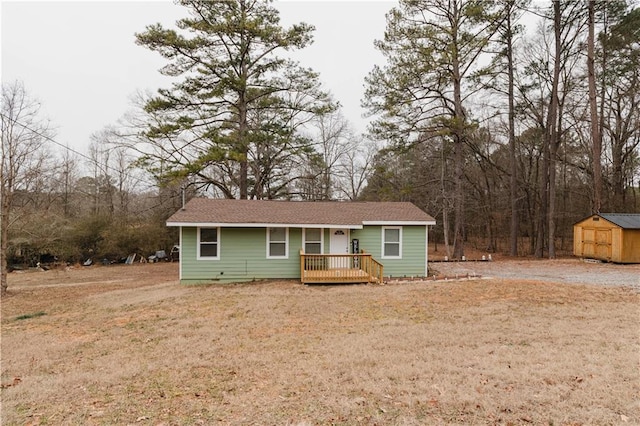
{"x":355,"y":168}
{"x":621,"y":104}
{"x":24,"y":134}
{"x":67,"y":174}
{"x":101,"y":188}
{"x":335,"y":141}
{"x":329,"y":170}
{"x":115,"y":177}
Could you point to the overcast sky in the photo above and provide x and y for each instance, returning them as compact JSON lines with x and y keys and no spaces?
{"x":79,"y":58}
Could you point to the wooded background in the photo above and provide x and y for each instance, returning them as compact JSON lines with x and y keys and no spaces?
{"x":506,"y":133}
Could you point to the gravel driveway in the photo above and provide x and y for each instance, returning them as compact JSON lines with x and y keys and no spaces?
{"x":560,"y":271}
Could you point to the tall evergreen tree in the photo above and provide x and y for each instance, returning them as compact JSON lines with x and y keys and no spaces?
{"x":230,"y":78}
{"x":432,"y":49}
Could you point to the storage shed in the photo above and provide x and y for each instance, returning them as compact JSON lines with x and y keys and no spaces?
{"x":613,"y":237}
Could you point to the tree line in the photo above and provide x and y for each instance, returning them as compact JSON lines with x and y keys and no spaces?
{"x":58,"y":203}
{"x":507,"y":133}
{"x":534,"y":126}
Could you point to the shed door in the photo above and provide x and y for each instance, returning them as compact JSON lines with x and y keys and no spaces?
{"x":588,"y":242}
{"x":596,"y":243}
{"x":603,"y":243}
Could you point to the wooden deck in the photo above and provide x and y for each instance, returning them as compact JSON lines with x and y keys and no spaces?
{"x":339,"y":268}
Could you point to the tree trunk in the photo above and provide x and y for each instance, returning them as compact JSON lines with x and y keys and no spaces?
{"x":552,"y":130}
{"x":553,"y":153}
{"x":445,"y":202}
{"x":540,"y":214}
{"x":541,"y":219}
{"x":596,"y":140}
{"x":4,"y":232}
{"x":445,"y":232}
{"x":513,"y":163}
{"x":617,"y":178}
{"x":459,"y":122}
{"x":242,"y":148}
{"x":20,"y":160}
{"x":458,"y":211}
{"x":243,"y":124}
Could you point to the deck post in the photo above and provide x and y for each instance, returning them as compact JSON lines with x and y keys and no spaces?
{"x":302,"y":263}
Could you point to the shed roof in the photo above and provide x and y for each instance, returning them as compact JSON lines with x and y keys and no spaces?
{"x":206,"y":211}
{"x":623,"y":220}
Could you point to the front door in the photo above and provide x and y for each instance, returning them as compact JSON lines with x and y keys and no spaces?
{"x":339,"y":244}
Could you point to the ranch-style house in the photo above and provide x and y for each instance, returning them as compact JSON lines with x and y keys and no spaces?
{"x":224,"y":240}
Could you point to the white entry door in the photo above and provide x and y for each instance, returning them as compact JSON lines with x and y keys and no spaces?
{"x":339,"y":244}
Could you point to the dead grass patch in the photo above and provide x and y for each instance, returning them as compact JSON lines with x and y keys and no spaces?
{"x":128,"y":345}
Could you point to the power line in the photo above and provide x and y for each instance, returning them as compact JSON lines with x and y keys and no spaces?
{"x":50,"y":139}
{"x":86,"y":157}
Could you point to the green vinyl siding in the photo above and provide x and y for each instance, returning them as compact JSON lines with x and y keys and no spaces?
{"x":327,"y":240}
{"x":413,"y":250}
{"x":243,"y":257}
{"x":243,"y":254}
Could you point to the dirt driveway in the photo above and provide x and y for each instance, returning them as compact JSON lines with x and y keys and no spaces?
{"x":572,"y":270}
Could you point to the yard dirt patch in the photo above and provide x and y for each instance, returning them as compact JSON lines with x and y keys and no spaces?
{"x":129,"y":345}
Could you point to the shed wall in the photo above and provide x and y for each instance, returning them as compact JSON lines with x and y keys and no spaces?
{"x":631,"y":246}
{"x":597,"y":238}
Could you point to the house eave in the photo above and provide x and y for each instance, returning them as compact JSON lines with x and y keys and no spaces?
{"x":262,"y":225}
{"x":303,"y":225}
{"x":398,"y":223}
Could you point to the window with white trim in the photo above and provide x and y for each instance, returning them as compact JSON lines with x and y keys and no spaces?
{"x":391,"y":242}
{"x":313,"y":241}
{"x":209,"y":243}
{"x":277,"y":243}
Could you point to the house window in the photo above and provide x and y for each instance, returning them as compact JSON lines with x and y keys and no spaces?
{"x":391,"y":242}
{"x":278,"y":243}
{"x":313,"y":241}
{"x":209,"y":243}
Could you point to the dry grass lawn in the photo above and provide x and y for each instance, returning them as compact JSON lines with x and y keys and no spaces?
{"x":128,"y":345}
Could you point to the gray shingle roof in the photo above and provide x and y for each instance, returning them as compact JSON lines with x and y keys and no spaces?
{"x":223,"y":211}
{"x":623,"y":220}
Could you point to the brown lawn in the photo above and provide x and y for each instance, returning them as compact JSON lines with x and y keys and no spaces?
{"x":128,"y":345}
